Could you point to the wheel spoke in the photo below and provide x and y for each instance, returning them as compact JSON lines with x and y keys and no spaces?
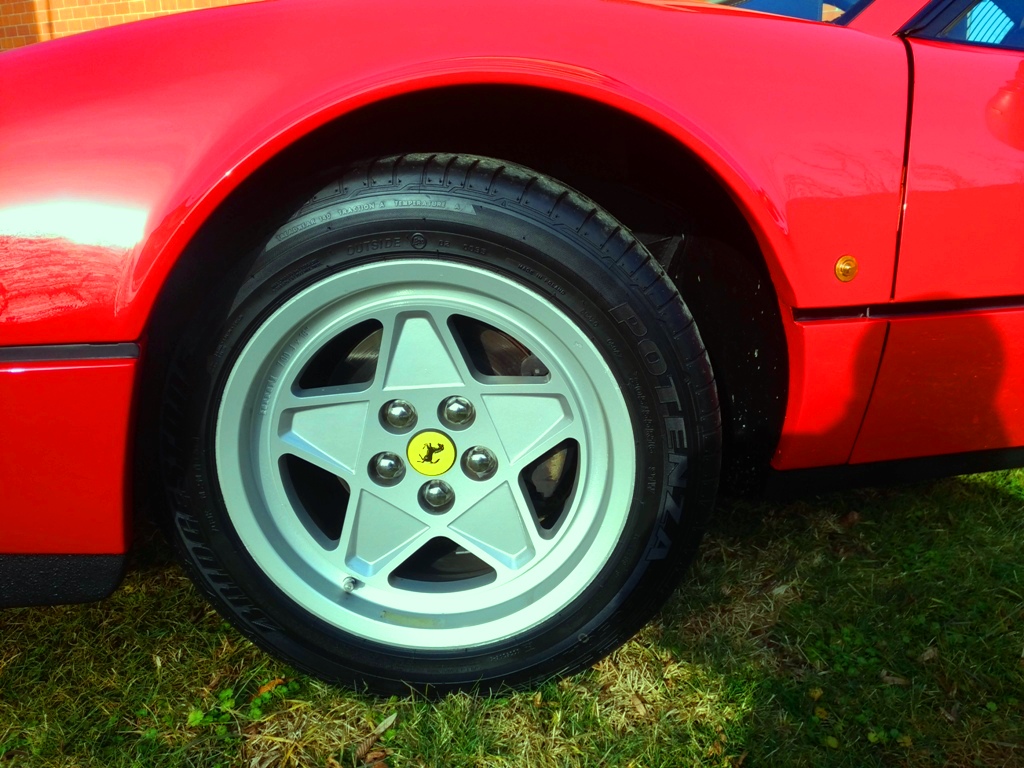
{"x":495,"y":528}
{"x":419,"y":352}
{"x":324,"y":429}
{"x":528,"y":424}
{"x":517,"y":385}
{"x":306,"y":399}
{"x":378,"y":536}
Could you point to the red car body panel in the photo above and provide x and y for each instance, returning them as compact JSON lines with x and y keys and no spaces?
{"x":117,"y":145}
{"x":885,"y":19}
{"x":952,"y":383}
{"x":939,"y":404}
{"x":159,"y":122}
{"x":65,"y":486}
{"x":962,"y":236}
{"x":826,"y":405}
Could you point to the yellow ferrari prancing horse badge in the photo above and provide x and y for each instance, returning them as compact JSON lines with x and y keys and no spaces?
{"x":431,"y":453}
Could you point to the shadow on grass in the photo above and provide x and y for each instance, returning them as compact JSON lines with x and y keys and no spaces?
{"x":877,"y":627}
{"x":80,"y":683}
{"x":872,"y":627}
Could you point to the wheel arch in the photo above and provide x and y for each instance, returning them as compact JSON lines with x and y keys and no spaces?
{"x":657,"y":175}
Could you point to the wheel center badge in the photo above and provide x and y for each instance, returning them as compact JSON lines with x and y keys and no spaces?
{"x":431,"y":453}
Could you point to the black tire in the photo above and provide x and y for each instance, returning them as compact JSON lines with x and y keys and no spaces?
{"x":495,"y":283}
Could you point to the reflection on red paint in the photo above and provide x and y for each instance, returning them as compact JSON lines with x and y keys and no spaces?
{"x":77,"y":221}
{"x":49,"y":282}
{"x":169,"y":116}
{"x":947,"y":384}
{"x":961,"y":232}
{"x":826,"y":404}
{"x":1004,"y":115}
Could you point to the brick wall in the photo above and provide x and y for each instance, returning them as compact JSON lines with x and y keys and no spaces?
{"x":29,"y":21}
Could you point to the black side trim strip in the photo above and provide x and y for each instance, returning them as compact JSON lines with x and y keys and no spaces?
{"x":58,"y":579}
{"x":906,"y":169}
{"x":52,"y":352}
{"x":871,"y":392}
{"x":801,"y":482}
{"x":910,"y":309}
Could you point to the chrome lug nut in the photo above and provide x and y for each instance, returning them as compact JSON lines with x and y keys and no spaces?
{"x":388,"y":467}
{"x":399,"y":414}
{"x":437,"y":495}
{"x":458,"y":411}
{"x":479,"y":462}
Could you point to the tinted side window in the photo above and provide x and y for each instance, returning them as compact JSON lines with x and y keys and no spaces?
{"x":989,"y":22}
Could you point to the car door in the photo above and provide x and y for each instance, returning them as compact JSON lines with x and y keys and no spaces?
{"x":952,"y":374}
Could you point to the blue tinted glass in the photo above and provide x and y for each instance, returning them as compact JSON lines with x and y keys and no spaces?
{"x":989,"y":22}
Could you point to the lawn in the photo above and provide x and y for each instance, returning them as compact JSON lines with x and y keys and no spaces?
{"x":875,"y":627}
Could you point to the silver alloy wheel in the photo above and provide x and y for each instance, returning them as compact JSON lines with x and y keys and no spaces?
{"x":350,"y":581}
{"x":452,"y":428}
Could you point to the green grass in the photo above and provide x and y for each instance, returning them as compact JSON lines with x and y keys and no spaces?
{"x":871,"y":628}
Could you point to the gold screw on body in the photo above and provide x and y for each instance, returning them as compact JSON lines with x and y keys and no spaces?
{"x":846,"y":268}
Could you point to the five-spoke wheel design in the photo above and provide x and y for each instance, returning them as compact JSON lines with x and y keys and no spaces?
{"x":434,"y":436}
{"x":452,"y":427}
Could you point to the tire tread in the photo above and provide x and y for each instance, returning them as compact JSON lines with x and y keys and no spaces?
{"x":620,"y":257}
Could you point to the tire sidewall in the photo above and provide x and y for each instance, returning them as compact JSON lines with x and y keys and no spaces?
{"x":565,"y":268}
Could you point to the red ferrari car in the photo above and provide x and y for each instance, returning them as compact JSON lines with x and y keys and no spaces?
{"x":431,"y":329}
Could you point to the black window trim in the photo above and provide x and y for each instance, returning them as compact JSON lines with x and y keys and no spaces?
{"x":933,"y":18}
{"x":852,"y":13}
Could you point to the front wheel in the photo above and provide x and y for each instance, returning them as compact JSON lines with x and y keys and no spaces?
{"x":455,"y":428}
